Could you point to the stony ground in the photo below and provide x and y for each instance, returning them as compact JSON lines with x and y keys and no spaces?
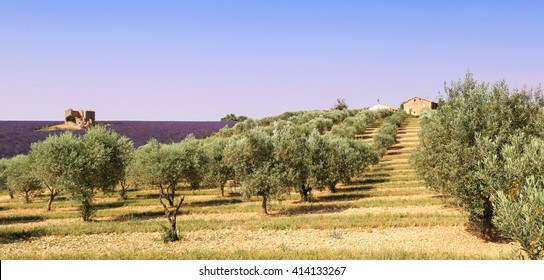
{"x":390,"y":189}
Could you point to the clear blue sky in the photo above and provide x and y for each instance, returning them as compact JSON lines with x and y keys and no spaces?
{"x":199,"y":60}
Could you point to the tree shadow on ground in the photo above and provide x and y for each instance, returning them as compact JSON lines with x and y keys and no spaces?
{"x":340,"y":197}
{"x":384,"y":168}
{"x":146,"y":196}
{"x":215,"y":202}
{"x":368,"y":181}
{"x":396,"y":148}
{"x":492,"y":235}
{"x":20,"y":220}
{"x":148,"y":215}
{"x":357,"y":188}
{"x":394,"y":153}
{"x":45,"y":197}
{"x":310,"y":209}
{"x":7,"y":237}
{"x":233,"y":194}
{"x":110,"y":205}
{"x":377,"y":174}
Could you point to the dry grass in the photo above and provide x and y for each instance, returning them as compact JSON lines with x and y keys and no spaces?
{"x":387,"y":214}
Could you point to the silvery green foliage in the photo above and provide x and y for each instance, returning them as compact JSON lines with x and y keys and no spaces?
{"x":343,"y":131}
{"x":81,"y":165}
{"x":322,"y":120}
{"x":252,"y":158}
{"x":55,"y":161}
{"x":194,"y":161}
{"x":355,"y":124}
{"x":336,"y":159}
{"x":387,"y":134}
{"x":108,"y":155}
{"x":217,"y":172}
{"x":360,"y":121}
{"x":244,"y":126}
{"x":165,"y":166}
{"x":3,"y":167}
{"x":292,"y":157}
{"x":320,"y":124}
{"x":460,"y":146}
{"x":21,"y":178}
{"x":516,"y":174}
{"x":126,"y":157}
{"x":101,"y":166}
{"x":519,"y":215}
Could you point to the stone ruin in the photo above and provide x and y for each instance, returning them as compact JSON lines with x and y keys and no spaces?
{"x":81,"y":119}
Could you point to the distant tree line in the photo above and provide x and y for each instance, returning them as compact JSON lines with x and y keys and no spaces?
{"x":233,"y":118}
{"x":484,"y":146}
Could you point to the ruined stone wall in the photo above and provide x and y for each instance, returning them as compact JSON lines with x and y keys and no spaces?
{"x":74,"y":113}
{"x":90,"y":116}
{"x":83,"y":118}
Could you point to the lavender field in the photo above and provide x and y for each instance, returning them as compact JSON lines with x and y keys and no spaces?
{"x":17,"y":136}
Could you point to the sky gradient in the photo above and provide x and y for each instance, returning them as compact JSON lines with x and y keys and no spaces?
{"x":200,"y":60}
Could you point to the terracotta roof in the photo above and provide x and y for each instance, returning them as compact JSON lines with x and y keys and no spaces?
{"x":421,"y":98}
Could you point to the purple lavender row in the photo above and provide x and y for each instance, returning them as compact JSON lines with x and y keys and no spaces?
{"x":17,"y":136}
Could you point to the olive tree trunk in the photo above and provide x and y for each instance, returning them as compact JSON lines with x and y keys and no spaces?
{"x":172,"y":216}
{"x":264,"y":204}
{"x":52,"y":194}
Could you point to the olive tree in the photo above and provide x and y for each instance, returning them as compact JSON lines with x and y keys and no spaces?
{"x":345,"y":159}
{"x":21,"y":178}
{"x":126,"y":183}
{"x":102,"y":163}
{"x":217,"y":171}
{"x":164,"y":167}
{"x":519,"y":216}
{"x":387,"y":134}
{"x":54,"y":160}
{"x":3,"y":167}
{"x":194,"y":160}
{"x":292,"y":156}
{"x":252,"y":158}
{"x":335,"y":159}
{"x":159,"y":166}
{"x":320,"y":124}
{"x":340,"y":104}
{"x":515,"y":171}
{"x":470,"y":127}
{"x":80,"y":165}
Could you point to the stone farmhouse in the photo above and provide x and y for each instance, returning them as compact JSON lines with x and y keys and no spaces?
{"x":415,"y":105}
{"x":82,"y":119}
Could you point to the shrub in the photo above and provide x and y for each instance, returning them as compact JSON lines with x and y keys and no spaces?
{"x":169,"y":235}
{"x":519,"y":215}
{"x":387,"y":134}
{"x":71,"y":118}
